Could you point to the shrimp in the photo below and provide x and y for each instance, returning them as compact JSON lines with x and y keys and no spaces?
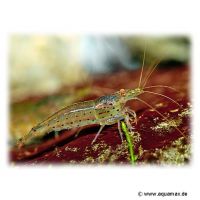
{"x":105,"y":110}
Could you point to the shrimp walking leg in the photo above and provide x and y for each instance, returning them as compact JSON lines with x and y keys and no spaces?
{"x":132,"y":113}
{"x":78,"y":131}
{"x":101,"y":128}
{"x":120,"y":130}
{"x":127,"y":121}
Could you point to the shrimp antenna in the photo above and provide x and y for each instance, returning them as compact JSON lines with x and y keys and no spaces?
{"x":150,"y":106}
{"x":148,"y":76}
{"x":142,"y":65}
{"x":149,"y":70}
{"x":161,"y":86}
{"x":162,"y":95}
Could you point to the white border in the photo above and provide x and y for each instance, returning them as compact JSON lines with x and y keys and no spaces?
{"x":109,"y":17}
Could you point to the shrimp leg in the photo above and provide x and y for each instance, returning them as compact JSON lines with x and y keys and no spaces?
{"x":120,"y":130}
{"x":127,"y":121}
{"x":132,"y":113}
{"x":101,"y":128}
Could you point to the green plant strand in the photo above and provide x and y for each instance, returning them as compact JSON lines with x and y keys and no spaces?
{"x":130,"y":144}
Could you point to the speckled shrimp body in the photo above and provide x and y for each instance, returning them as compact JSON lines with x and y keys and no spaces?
{"x":105,"y":110}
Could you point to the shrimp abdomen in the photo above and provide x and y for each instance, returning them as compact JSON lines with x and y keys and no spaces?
{"x":73,"y":116}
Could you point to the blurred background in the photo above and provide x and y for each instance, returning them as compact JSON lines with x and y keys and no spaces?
{"x":42,"y":64}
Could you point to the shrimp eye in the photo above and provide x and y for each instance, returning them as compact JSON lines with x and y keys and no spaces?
{"x":122,"y":92}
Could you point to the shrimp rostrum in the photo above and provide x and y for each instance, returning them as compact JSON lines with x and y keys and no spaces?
{"x":105,"y":110}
